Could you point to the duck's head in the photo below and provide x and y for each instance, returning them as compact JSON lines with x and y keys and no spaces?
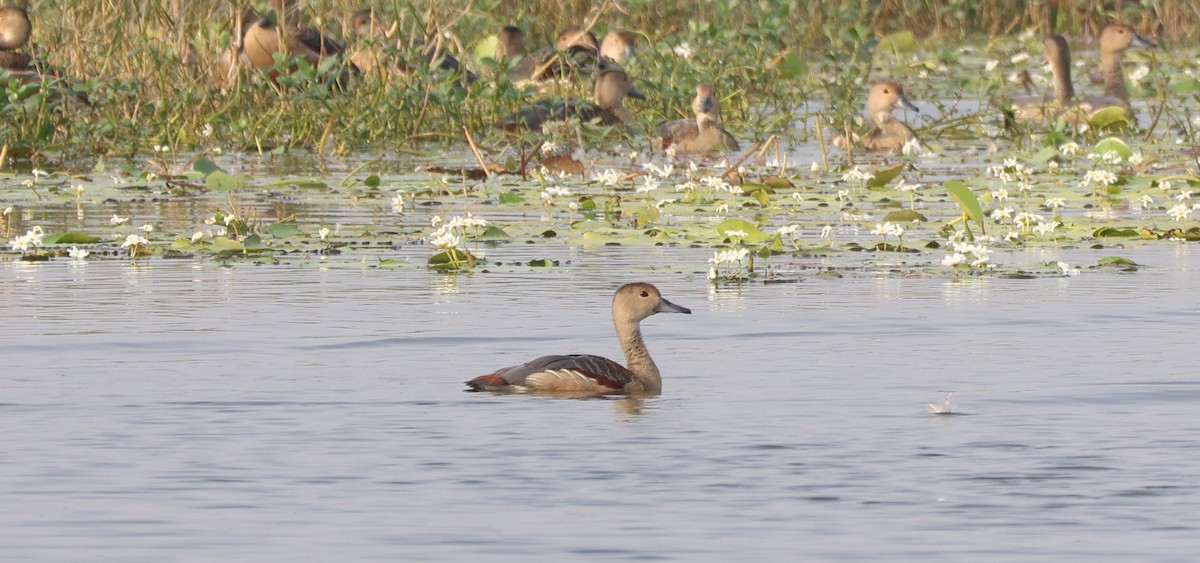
{"x":886,"y":96}
{"x":1118,"y":37}
{"x":706,"y":101}
{"x":512,"y":43}
{"x":636,"y":301}
{"x":612,"y":86}
{"x":619,"y":45}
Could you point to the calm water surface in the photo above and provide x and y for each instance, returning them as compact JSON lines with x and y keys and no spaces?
{"x":185,"y":410}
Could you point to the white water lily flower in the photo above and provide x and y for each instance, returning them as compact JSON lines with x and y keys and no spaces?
{"x":398,"y":202}
{"x":118,"y":220}
{"x":323,"y":233}
{"x":1055,"y":202}
{"x":683,"y":50}
{"x":738,"y":234}
{"x":954,"y":259}
{"x":1046,"y":228}
{"x":197,"y":236}
{"x":944,"y":406}
{"x":78,"y":254}
{"x":1183,"y":196}
{"x":134,"y":240}
{"x":789,"y":231}
{"x":1139,"y":73}
{"x":991,"y":65}
{"x":29,"y":241}
{"x":1000,"y":195}
{"x":1179,"y":212}
{"x":8,"y":211}
{"x":649,"y":184}
{"x":147,"y":228}
{"x":1069,"y":149}
{"x":827,"y":232}
{"x":1001,"y":214}
{"x":1147,"y":201}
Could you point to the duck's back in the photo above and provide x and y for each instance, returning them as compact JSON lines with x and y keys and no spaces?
{"x":570,"y":373}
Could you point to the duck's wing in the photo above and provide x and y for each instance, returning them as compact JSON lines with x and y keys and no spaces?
{"x":578,"y":373}
{"x":673,"y":132}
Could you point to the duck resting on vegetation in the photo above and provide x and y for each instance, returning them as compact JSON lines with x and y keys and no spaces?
{"x":587,"y":374}
{"x":888,"y":132}
{"x":374,"y":37}
{"x":611,"y":89}
{"x":702,"y":134}
{"x":510,"y":49}
{"x":15,"y":30}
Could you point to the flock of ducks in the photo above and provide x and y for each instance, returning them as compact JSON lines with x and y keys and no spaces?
{"x":263,"y":42}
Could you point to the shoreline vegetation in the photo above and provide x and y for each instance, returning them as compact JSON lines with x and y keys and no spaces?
{"x":146,"y":68}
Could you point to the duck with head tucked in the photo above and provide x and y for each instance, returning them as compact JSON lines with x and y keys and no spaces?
{"x":888,"y":132}
{"x":704,"y":133}
{"x":595,"y":375}
{"x":15,"y":30}
{"x":611,"y":89}
{"x":280,"y":32}
{"x":373,"y":35}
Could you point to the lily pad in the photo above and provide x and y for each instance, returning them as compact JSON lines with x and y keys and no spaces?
{"x":904,"y":216}
{"x":882,"y":177}
{"x":69,"y":238}
{"x":753,"y":233}
{"x":1116,"y":145}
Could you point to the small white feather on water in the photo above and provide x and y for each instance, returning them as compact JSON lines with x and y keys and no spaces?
{"x":944,"y":406}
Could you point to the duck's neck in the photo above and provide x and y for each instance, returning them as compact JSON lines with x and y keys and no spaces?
{"x":884,"y":118}
{"x":637,"y":358}
{"x":1063,"y":90}
{"x":1114,"y":76}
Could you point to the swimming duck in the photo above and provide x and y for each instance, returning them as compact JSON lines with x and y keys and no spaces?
{"x":611,"y":89}
{"x":702,"y":134}
{"x":888,"y":133}
{"x":581,"y":373}
{"x":1114,"y":40}
{"x":1041,"y":108}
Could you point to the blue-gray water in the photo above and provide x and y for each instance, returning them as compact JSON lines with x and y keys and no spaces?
{"x":185,"y":410}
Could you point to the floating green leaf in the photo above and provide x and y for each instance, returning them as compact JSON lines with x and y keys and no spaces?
{"x":882,"y":177}
{"x":221,"y":182}
{"x":372,"y":181}
{"x":904,"y":216}
{"x":1114,"y":117}
{"x":753,"y":233}
{"x":1115,"y":261}
{"x":1116,"y":145}
{"x":543,"y":263}
{"x":510,"y":197}
{"x":206,"y":167}
{"x":283,"y":230}
{"x":761,"y":197}
{"x":494,"y":233}
{"x":69,"y":238}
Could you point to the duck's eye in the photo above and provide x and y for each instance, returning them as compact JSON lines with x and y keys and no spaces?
{"x":645,"y":293}
{"x":886,"y":91}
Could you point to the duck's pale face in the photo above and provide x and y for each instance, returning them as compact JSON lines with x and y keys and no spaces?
{"x":886,"y":96}
{"x":1118,"y":37}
